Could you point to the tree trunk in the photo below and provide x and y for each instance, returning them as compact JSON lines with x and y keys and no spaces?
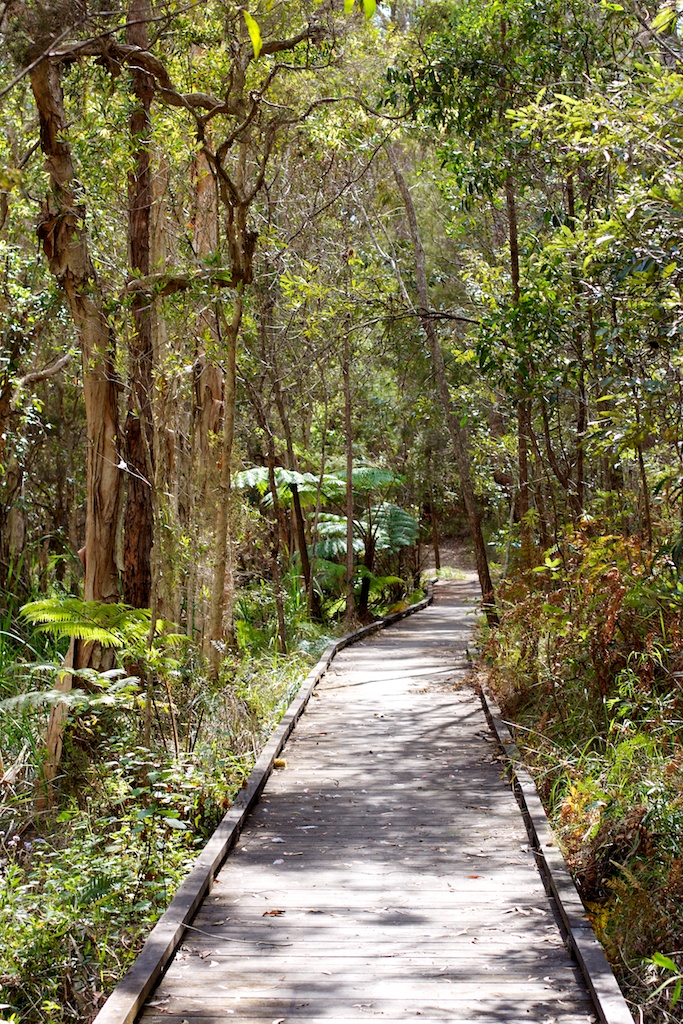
{"x":346,"y":373}
{"x":275,"y":550}
{"x":523,"y":403}
{"x":221,"y":627}
{"x":139,"y":428}
{"x":300,"y":527}
{"x":435,"y":534}
{"x":455,"y":429}
{"x":62,"y":232}
{"x":433,"y":515}
{"x":65,"y":243}
{"x":582,"y":400}
{"x":261,"y":416}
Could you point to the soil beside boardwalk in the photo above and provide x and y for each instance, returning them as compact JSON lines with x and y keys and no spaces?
{"x":386,"y":871}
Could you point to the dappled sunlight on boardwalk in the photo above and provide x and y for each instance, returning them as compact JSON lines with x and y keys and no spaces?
{"x":386,"y":871}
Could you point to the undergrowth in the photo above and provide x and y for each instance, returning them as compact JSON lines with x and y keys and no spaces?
{"x":588,"y":662}
{"x":89,"y":863}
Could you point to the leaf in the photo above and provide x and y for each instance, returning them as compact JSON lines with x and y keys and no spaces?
{"x":664,"y":961}
{"x":254,"y":33}
{"x":348,"y":6}
{"x":369,"y":7}
{"x":663,"y":20}
{"x":181,"y":826}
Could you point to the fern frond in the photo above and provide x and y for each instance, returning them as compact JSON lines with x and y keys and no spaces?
{"x":112,"y":625}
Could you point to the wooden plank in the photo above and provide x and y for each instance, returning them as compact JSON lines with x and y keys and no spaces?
{"x":304,"y":1003}
{"x":507,"y":1015}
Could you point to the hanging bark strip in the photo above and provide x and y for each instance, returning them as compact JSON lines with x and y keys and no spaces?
{"x":458,"y":441}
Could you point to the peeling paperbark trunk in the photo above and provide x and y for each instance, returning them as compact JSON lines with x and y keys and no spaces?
{"x":65,"y":243}
{"x":208,"y":375}
{"x":455,"y":430}
{"x":139,"y":428}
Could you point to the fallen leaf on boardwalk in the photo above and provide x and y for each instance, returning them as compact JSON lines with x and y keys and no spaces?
{"x":279,"y":762}
{"x":474,"y":876}
{"x":207,"y":954}
{"x":272,"y":913}
{"x":277,"y":839}
{"x":278,"y":861}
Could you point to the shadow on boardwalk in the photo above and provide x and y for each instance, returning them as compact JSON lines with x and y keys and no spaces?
{"x":385,"y":872}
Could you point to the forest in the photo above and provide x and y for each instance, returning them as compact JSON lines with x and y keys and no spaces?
{"x":294,"y":295}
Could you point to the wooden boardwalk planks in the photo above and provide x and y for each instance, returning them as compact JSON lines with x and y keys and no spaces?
{"x":386,"y":872}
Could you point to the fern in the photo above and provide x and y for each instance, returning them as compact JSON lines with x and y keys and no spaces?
{"x":395,"y":527}
{"x":104,"y":691}
{"x":258,"y":479}
{"x":332,"y":537}
{"x":371,"y":478}
{"x":99,"y":886}
{"x":112,"y":625}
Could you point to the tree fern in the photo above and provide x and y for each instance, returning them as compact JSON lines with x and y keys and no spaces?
{"x":395,"y":527}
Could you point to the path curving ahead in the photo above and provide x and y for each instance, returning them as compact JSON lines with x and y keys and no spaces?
{"x":386,"y":872}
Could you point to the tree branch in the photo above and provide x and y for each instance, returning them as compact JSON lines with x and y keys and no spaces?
{"x":157,"y":285}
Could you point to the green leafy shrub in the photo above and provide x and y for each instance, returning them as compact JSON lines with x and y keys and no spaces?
{"x":587,"y":661}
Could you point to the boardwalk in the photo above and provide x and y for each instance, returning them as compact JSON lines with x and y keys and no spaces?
{"x":385,"y":872}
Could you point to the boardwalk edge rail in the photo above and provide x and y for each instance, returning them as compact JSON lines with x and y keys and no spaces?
{"x":608,"y":998}
{"x":127,"y":999}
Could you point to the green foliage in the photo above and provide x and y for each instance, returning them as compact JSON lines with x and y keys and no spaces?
{"x":112,"y":625}
{"x":76,"y":901}
{"x":587,"y":659}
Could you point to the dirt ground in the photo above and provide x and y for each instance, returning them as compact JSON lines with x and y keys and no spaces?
{"x":453,"y":552}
